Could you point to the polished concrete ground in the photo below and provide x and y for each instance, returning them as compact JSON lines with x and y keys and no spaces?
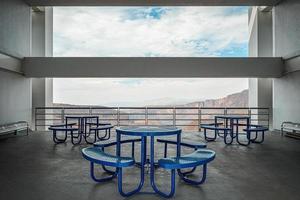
{"x":33,"y":168}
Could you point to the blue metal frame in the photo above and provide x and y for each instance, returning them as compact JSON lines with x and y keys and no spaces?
{"x":152,"y":172}
{"x":233,"y":132}
{"x":144,"y":132}
{"x":193,"y":182}
{"x":256,"y":129}
{"x":188,"y":144}
{"x":61,"y":128}
{"x":82,"y":127}
{"x":120,"y":175}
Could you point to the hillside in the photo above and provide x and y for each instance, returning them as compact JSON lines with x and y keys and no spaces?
{"x":239,"y":99}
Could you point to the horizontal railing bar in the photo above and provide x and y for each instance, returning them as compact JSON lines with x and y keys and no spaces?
{"x":132,"y":108}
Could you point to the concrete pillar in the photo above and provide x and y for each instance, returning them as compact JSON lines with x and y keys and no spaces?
{"x":260,"y":45}
{"x":42,"y":46}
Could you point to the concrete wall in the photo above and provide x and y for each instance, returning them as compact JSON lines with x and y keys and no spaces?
{"x":286,"y":91}
{"x":15,"y":98}
{"x":260,"y":45}
{"x":287,"y":28}
{"x":15,"y":89}
{"x":286,"y":106}
{"x":14,"y":28}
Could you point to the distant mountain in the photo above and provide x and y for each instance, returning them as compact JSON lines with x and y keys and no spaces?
{"x":239,"y":99}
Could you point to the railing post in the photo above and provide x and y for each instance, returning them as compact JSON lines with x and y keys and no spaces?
{"x":63,"y":115}
{"x":174,"y":116}
{"x":118,"y":116}
{"x":250,"y":114}
{"x":268,"y":118}
{"x":199,"y":119}
{"x":146,"y":116}
{"x":35,"y":120}
{"x":90,"y":111}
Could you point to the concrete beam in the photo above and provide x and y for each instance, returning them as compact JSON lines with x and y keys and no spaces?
{"x":152,"y":2}
{"x":11,"y":64}
{"x":292,"y":64}
{"x":152,"y":67}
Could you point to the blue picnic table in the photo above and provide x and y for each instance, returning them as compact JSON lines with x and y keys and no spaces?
{"x":96,"y":155}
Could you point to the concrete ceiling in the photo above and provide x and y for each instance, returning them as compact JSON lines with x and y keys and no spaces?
{"x":152,"y":2}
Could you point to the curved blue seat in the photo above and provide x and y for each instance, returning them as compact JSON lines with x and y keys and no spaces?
{"x":211,"y":127}
{"x":199,"y":157}
{"x":65,"y":129}
{"x":216,"y":129}
{"x":256,"y":129}
{"x":186,"y":143}
{"x":96,"y":155}
{"x":102,"y":127}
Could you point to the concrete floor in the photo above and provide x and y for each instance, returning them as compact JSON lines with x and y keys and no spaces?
{"x":32,"y":167}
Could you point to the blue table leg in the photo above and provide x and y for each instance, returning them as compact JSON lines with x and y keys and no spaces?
{"x":92,"y":172}
{"x":202,"y":180}
{"x":152,"y":171}
{"x":56,"y":140}
{"x":142,"y":174}
{"x":247,"y":136}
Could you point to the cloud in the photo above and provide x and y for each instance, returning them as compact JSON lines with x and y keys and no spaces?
{"x":150,"y":31}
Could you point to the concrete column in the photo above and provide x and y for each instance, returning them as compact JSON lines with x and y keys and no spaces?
{"x":42,"y":46}
{"x":260,"y":45}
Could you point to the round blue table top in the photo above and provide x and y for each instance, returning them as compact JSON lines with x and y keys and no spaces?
{"x":148,"y":130}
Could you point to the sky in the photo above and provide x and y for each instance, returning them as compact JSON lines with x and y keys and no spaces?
{"x":148,"y":32}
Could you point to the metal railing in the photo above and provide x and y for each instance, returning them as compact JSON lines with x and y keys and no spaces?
{"x":188,"y":118}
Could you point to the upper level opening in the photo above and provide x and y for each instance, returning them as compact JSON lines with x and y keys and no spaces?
{"x":150,"y":32}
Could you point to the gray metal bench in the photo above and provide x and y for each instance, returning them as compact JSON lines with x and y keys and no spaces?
{"x":291,"y":129}
{"x":14,"y":128}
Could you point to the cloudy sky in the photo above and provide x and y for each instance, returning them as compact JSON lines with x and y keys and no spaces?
{"x":148,"y":31}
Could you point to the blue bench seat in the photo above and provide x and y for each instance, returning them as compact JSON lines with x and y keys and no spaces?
{"x":65,"y":130}
{"x":63,"y":125}
{"x":96,"y":131}
{"x":108,"y":143}
{"x":217,"y":130}
{"x":186,"y":143}
{"x":212,"y":127}
{"x":96,"y":155}
{"x":199,"y":157}
{"x":256,"y":129}
{"x":195,"y":159}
